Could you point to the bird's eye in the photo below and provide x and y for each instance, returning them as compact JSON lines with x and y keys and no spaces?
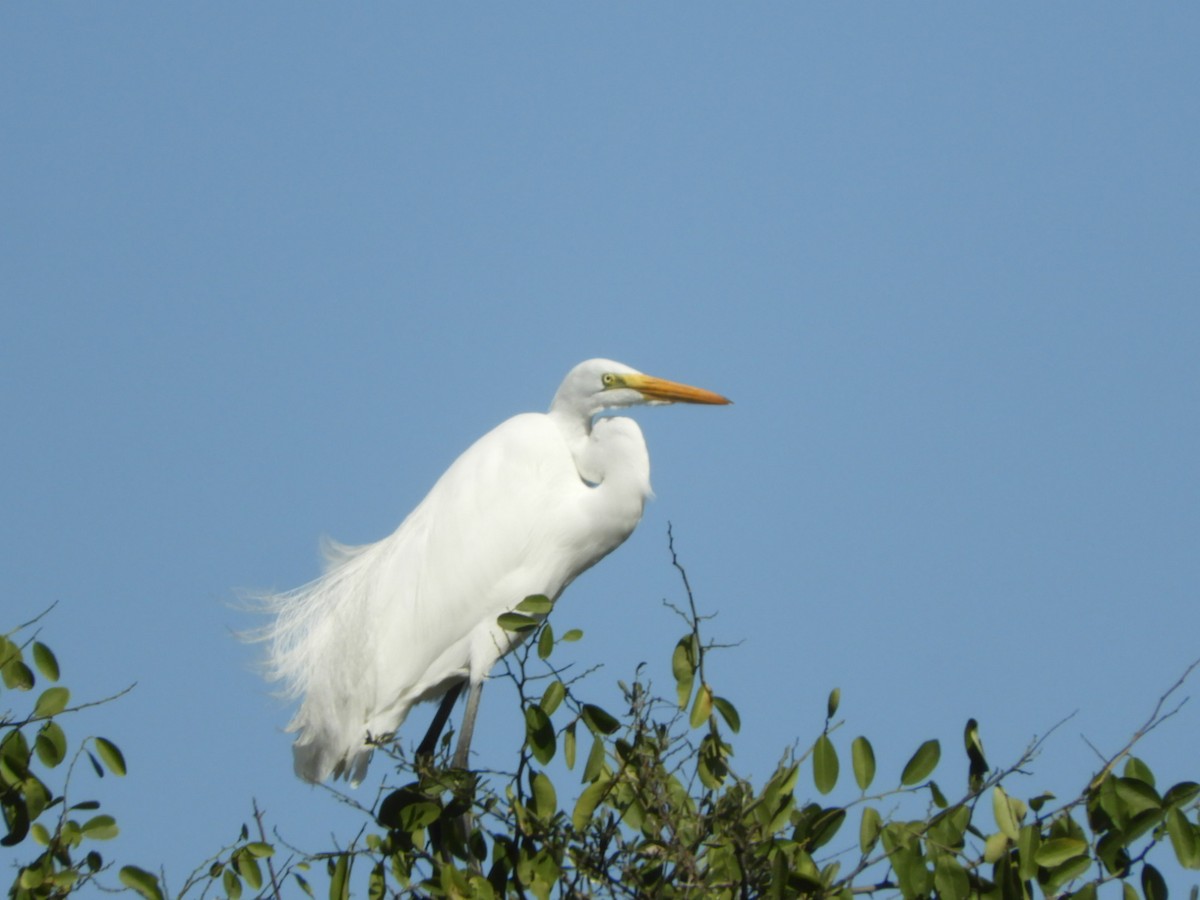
{"x":608,"y":379}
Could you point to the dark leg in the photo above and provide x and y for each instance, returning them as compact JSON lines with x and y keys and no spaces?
{"x":462,"y":754}
{"x":463,"y":751}
{"x":429,"y":742}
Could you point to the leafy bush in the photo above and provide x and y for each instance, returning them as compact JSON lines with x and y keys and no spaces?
{"x":34,"y":744}
{"x":661,"y":812}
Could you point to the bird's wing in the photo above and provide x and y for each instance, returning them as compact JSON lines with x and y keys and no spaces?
{"x":399,"y":620}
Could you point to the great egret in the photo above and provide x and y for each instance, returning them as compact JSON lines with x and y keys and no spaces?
{"x":526,"y":509}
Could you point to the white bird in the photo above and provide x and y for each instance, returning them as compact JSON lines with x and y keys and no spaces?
{"x":525,"y":510}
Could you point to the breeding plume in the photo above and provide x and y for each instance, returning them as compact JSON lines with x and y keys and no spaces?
{"x":526,"y":509}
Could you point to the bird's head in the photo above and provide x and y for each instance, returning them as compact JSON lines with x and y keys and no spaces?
{"x":600,"y":384}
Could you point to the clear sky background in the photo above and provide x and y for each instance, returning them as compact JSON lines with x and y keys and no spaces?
{"x":267,"y":269}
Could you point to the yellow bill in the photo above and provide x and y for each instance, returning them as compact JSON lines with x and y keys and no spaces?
{"x":663,"y":391}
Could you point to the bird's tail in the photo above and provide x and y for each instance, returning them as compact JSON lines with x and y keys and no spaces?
{"x":315,"y":645}
{"x":317,"y":757}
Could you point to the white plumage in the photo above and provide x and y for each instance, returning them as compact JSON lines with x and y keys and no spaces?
{"x":526,"y":509}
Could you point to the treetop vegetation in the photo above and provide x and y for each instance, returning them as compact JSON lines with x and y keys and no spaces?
{"x":640,"y":801}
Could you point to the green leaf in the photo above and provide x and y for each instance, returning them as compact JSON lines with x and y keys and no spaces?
{"x":950,"y":879}
{"x":44,"y":659}
{"x":145,"y":883}
{"x":232,"y":884}
{"x":1183,"y":839}
{"x":545,"y":642}
{"x":31,"y":879}
{"x":1036,"y":803}
{"x":37,"y":796}
{"x":540,"y":734}
{"x":248,"y":868}
{"x":729,"y":713}
{"x":1137,"y":795}
{"x":51,"y":744}
{"x":110,"y":754}
{"x":408,"y":809}
{"x":995,"y":847}
{"x":1135,"y":768}
{"x":16,"y":675}
{"x":1057,"y":851}
{"x":377,"y":883}
{"x":803,"y":875}
{"x":683,"y":667}
{"x":1008,"y":812}
{"x":1181,"y":794}
{"x":1111,"y":852}
{"x":1028,"y":844}
{"x":453,"y":883}
{"x":825,"y":764}
{"x":914,"y":878}
{"x":634,"y":814}
{"x":339,"y":878}
{"x":14,"y":758}
{"x":587,"y":803}
{"x":826,"y":826}
{"x":571,"y":636}
{"x":16,"y":818}
{"x":1141,"y":823}
{"x":922,"y":763}
{"x":939,"y":799}
{"x":1153,"y":885}
{"x":8,"y":651}
{"x":702,"y":708}
{"x":598,"y":720}
{"x":418,"y":815}
{"x":711,"y":768}
{"x":100,"y":828}
{"x":553,"y":697}
{"x":545,"y":800}
{"x":535,"y":604}
{"x":304,"y":885}
{"x":947,"y":829}
{"x":831,"y":705}
{"x":547,"y":872}
{"x":594,"y":767}
{"x":777,"y":794}
{"x":869,"y":829}
{"x":516,"y":623}
{"x":569,"y":746}
{"x":51,"y":702}
{"x":481,"y":888}
{"x":781,"y":802}
{"x":862,"y":756}
{"x":1066,"y":873}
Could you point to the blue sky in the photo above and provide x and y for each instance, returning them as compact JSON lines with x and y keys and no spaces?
{"x":267,"y":269}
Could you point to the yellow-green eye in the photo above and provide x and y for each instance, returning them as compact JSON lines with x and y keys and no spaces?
{"x":608,"y":379}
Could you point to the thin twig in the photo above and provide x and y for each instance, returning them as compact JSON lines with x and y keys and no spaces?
{"x":12,"y":723}
{"x":1157,"y":717}
{"x":45,"y":612}
{"x":262,"y":836}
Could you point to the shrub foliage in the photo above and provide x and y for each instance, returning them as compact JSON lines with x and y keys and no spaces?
{"x":643,"y":801}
